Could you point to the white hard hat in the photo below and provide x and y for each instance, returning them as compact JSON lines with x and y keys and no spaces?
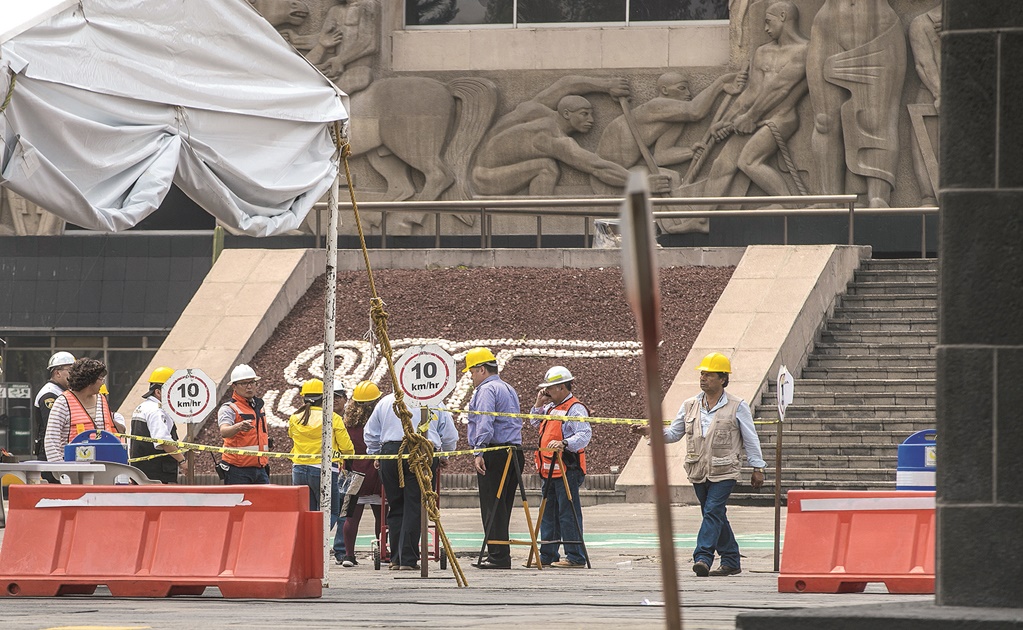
{"x":59,"y":359}
{"x":555,"y":376}
{"x":243,"y":373}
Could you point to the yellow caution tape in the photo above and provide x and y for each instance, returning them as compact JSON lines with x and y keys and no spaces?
{"x":543,"y":416}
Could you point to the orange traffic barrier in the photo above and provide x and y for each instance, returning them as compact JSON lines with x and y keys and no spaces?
{"x":157,"y":541}
{"x":839,"y":541}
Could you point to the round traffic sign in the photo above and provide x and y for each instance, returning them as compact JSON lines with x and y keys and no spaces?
{"x":189,"y":395}
{"x":426,"y":374}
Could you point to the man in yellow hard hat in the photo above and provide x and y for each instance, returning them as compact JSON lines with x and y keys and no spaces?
{"x":717,"y":428}
{"x":150,"y":420}
{"x":493,"y":395}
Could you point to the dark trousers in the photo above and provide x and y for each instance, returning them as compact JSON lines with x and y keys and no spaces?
{"x":488,"y":486}
{"x":245,"y":475}
{"x":404,"y":507}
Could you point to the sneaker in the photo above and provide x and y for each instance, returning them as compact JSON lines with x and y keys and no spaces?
{"x":702,"y":569}
{"x":568,"y":564}
{"x":725,"y":570}
{"x":405,"y":567}
{"x":349,"y":562}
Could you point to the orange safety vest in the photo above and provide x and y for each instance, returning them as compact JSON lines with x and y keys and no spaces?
{"x":255,"y":439}
{"x":546,"y":463}
{"x":81,"y":421}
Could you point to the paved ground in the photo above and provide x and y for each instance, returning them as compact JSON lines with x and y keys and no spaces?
{"x":622,"y":590}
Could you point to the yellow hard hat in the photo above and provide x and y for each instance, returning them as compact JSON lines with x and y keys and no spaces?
{"x":103,"y":389}
{"x":366,"y":391}
{"x":715,"y":362}
{"x":312,"y":387}
{"x":161,"y":375}
{"x":477,"y":356}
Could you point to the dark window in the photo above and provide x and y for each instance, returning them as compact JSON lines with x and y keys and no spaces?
{"x":509,"y":12}
{"x":666,"y":10}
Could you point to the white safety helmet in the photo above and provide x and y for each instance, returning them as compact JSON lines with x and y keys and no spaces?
{"x":556,"y":376}
{"x":243,"y":373}
{"x":59,"y":359}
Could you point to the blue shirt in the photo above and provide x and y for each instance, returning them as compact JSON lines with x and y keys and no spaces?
{"x":575,"y":434}
{"x":493,"y":394}
{"x":750,"y":439}
{"x":385,"y":426}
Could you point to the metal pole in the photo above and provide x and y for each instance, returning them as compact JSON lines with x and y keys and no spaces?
{"x":383,"y":229}
{"x":785,"y":230}
{"x":424,"y":523}
{"x":539,"y":231}
{"x":319,"y":227}
{"x":586,"y":232}
{"x":436,"y":230}
{"x":923,"y":236}
{"x":329,"y":316}
{"x":483,"y":228}
{"x":852,"y":240}
{"x":777,"y":498}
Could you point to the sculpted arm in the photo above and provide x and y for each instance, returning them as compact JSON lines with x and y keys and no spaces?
{"x":574,"y":84}
{"x":566,"y":150}
{"x":699,"y":107}
{"x":921,"y":33}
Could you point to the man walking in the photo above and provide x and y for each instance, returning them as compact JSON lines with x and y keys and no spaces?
{"x":493,"y":395}
{"x":717,"y":429}
{"x":243,"y":426}
{"x":563,"y":516}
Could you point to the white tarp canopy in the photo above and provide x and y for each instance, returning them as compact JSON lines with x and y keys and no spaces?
{"x":112,"y":101}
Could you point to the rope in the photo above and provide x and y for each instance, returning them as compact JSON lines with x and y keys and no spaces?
{"x":418,"y":447}
{"x":10,"y":92}
{"x":784,"y":149}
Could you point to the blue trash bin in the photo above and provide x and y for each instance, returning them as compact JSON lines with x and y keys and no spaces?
{"x":96,"y":446}
{"x":917,"y":461}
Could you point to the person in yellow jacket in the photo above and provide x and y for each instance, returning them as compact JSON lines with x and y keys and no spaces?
{"x":305,"y":429}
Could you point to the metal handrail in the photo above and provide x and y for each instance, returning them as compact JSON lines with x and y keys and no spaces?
{"x":588,"y":208}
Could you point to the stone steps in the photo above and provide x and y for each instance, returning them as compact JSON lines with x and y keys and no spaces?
{"x":895,"y":289}
{"x":845,"y":399}
{"x":871,"y":360}
{"x":848,"y":348}
{"x":881,"y":302}
{"x":879,"y":337}
{"x":924,"y":371}
{"x":846,"y":385}
{"x":883,"y":324}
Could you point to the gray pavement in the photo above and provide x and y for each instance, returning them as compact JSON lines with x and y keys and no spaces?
{"x":622,"y":589}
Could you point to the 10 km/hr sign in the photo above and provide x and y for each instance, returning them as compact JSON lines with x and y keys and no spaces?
{"x":426,"y":374}
{"x":189,"y":395}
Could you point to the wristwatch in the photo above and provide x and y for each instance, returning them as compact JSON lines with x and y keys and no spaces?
{"x":759,"y":470}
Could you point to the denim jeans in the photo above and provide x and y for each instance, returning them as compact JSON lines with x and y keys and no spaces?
{"x":245,"y":475}
{"x":307,"y":475}
{"x":715,"y":532}
{"x":558,"y":523}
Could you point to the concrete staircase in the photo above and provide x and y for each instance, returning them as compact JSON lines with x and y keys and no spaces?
{"x":868,"y":385}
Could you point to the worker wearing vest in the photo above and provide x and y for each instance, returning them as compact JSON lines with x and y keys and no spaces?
{"x":563,"y":516}
{"x":243,"y":426}
{"x":79,"y":409}
{"x":149,"y":420}
{"x":57,"y":368}
{"x":717,"y":429}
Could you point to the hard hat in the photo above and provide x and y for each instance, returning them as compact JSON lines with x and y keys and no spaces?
{"x":243,"y":372}
{"x":161,"y":375}
{"x":313,"y":387}
{"x":476,"y":356}
{"x":366,"y":391}
{"x":103,"y":389}
{"x":59,"y":359}
{"x":556,"y":376}
{"x":715,"y":362}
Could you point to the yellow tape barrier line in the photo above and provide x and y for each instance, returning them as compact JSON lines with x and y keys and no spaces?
{"x":541,"y":416}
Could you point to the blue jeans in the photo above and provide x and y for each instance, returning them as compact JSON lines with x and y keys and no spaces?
{"x":715,"y":532}
{"x":306,"y":475}
{"x":245,"y":475}
{"x":558,"y":523}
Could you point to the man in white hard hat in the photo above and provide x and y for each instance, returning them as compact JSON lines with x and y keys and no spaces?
{"x":717,"y":428}
{"x":150,"y":420}
{"x":562,"y":517}
{"x":242,"y":424}
{"x":57,"y":367}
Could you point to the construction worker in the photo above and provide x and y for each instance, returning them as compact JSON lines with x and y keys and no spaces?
{"x":78,"y":409}
{"x":384,"y":434}
{"x":243,"y":426}
{"x":149,"y":420}
{"x":305,"y":429}
{"x":57,"y":369}
{"x":563,"y":515}
{"x":717,"y":429}
{"x":357,"y":414}
{"x":493,"y":395}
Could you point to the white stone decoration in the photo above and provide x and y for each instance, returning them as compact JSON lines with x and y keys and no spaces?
{"x":358,"y":360}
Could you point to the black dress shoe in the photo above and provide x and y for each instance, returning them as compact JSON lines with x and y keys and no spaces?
{"x":701,"y":569}
{"x":724,"y":570}
{"x":488,"y":564}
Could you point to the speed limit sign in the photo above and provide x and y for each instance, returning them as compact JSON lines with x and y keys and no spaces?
{"x":426,"y":374}
{"x":189,"y":395}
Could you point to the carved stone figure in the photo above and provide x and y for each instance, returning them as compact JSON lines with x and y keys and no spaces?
{"x":396,"y":130}
{"x":856,"y":64}
{"x":528,"y":145}
{"x":764,"y":114}
{"x":21,"y":217}
{"x":926,"y":45}
{"x":281,"y":13}
{"x":659,"y":124}
{"x":348,"y":38}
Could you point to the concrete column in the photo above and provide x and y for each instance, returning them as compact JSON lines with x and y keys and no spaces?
{"x":980,"y":330}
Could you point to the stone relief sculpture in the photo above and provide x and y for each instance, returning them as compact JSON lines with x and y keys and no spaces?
{"x":856,"y":64}
{"x":349,"y":37}
{"x":527,"y":146}
{"x":21,"y":217}
{"x":763,"y":117}
{"x":282,"y":13}
{"x":925,"y":42}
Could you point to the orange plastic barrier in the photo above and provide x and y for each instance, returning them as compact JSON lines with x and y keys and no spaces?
{"x":156,"y":541}
{"x":839,"y":541}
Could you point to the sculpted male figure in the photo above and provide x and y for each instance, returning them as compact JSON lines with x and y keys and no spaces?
{"x":528,"y":144}
{"x":348,"y":37}
{"x":777,"y":82}
{"x":926,"y":45}
{"x":660,"y":122}
{"x":855,"y":66}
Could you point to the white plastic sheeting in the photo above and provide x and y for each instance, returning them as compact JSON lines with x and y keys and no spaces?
{"x":116,"y":99}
